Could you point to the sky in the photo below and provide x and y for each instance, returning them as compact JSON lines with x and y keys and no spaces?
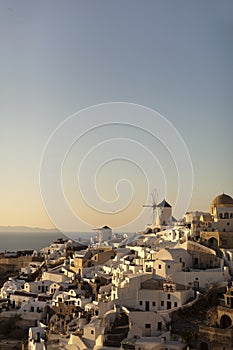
{"x":60,"y":57}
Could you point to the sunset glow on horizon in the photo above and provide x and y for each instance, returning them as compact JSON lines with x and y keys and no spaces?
{"x":57,"y":59}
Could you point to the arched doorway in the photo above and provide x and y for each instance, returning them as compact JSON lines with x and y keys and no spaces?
{"x":204,"y":346}
{"x":225,"y":321}
{"x":213,"y":242}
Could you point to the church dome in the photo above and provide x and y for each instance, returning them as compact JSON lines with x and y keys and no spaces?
{"x":222,"y":199}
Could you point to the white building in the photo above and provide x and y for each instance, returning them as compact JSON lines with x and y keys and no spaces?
{"x":92,"y":331}
{"x":59,"y":274}
{"x":177,"y":264}
{"x":104,"y":234}
{"x":33,"y":310}
{"x":19,"y":298}
{"x":145,"y":324}
{"x":10,"y":286}
{"x":36,"y":338}
{"x":38,"y":287}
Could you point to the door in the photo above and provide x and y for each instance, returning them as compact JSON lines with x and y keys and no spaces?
{"x":147,"y":306}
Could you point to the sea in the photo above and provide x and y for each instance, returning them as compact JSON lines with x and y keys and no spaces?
{"x":13,"y":241}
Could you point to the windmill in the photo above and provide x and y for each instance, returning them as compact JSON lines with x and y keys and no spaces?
{"x":153,"y":205}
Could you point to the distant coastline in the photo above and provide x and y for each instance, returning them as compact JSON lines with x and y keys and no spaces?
{"x":13,"y":238}
{"x":25,"y":229}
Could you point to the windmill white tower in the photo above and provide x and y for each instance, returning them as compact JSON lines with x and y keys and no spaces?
{"x":153,"y":205}
{"x":163,"y":214}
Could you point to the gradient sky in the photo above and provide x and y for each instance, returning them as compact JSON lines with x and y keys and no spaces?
{"x":58,"y":57}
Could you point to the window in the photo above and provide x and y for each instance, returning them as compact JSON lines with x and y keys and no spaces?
{"x":228,"y":224}
{"x":175,"y":304}
{"x":153,"y":303}
{"x":162,"y":303}
{"x":159,"y":326}
{"x":140,"y":302}
{"x":231,"y":216}
{"x":169,"y":296}
{"x":147,"y":325}
{"x":92,"y":332}
{"x":168,"y":266}
{"x":180,"y":259}
{"x":226,"y":216}
{"x":160,"y":266}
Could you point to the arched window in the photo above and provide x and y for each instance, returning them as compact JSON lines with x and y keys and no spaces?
{"x":213,"y":242}
{"x":225,"y":321}
{"x":226,"y":216}
{"x":231,"y":216}
{"x":220,"y":216}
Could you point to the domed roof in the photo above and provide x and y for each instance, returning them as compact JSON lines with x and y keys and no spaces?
{"x":222,"y":199}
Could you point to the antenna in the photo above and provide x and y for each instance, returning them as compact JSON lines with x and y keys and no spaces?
{"x":153,"y":205}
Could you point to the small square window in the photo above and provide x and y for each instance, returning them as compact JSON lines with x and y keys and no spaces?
{"x":153,"y":303}
{"x":147,"y":325}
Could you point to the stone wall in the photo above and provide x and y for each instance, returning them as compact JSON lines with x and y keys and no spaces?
{"x":15,"y":264}
{"x":216,"y":338}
